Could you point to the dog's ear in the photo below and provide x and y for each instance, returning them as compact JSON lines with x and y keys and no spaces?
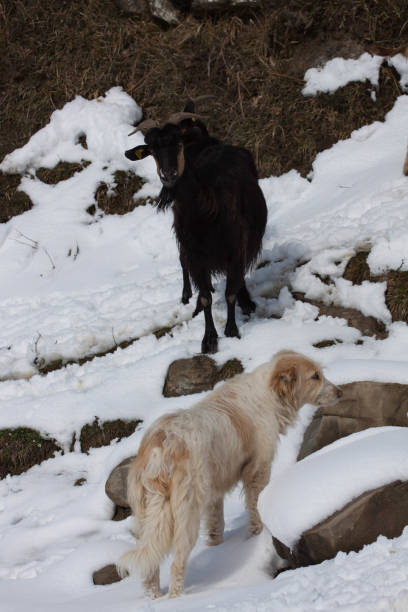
{"x":284,"y":379}
{"x":137,"y":153}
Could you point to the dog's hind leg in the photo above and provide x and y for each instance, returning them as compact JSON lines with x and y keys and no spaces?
{"x":186,"y":515}
{"x":215,"y":521}
{"x":151,"y":584}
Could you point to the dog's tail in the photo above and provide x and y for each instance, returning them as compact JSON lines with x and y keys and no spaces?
{"x":156,"y":480}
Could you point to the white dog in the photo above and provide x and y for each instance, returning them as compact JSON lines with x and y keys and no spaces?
{"x":189,"y":459}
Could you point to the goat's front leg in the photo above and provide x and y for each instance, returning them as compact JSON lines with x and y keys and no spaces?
{"x":187,"y":292}
{"x":209,"y":342}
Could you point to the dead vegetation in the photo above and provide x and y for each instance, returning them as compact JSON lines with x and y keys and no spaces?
{"x":118,"y":199}
{"x":396,"y":293}
{"x":253,"y":64}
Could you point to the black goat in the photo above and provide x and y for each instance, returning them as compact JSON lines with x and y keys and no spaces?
{"x":219,"y":212}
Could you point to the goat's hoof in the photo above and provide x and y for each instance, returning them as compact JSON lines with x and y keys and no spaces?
{"x":198,"y":309}
{"x":231,"y":331}
{"x":209,"y":345}
{"x":248,"y":308}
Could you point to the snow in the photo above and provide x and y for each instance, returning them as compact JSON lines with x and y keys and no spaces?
{"x":338,"y":72}
{"x":73,"y":285}
{"x":350,"y":466}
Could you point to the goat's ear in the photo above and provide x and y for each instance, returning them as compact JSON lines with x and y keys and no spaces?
{"x":283,"y":380}
{"x":138,"y":153}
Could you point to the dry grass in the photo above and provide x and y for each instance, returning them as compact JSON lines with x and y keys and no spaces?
{"x":396,"y":293}
{"x":254,"y":65}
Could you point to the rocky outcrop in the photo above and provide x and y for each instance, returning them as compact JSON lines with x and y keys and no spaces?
{"x":364,"y":404}
{"x":381,"y":511}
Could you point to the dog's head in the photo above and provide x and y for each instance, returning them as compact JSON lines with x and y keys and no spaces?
{"x":298,"y":380}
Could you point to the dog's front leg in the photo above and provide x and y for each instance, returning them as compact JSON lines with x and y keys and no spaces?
{"x":215,"y":521}
{"x":254,"y":478}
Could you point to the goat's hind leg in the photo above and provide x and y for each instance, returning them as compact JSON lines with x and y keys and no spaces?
{"x":244,"y":301}
{"x":234,"y":282}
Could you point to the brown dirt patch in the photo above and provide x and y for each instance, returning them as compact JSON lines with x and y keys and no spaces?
{"x":61,"y":172}
{"x":12,"y":201}
{"x":101,"y":434}
{"x":22,"y":448}
{"x":117,"y":199}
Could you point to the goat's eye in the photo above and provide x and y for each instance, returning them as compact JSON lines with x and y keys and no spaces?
{"x":316,"y":376}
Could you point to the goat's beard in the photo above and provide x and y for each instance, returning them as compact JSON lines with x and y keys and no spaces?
{"x":165,"y":199}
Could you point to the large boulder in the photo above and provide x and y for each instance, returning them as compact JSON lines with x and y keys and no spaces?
{"x":106,"y":575}
{"x":197,"y":374}
{"x":116,"y":485}
{"x":383,"y":510}
{"x":364,"y":404}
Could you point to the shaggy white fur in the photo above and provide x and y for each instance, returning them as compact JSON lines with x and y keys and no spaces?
{"x":189,"y":459}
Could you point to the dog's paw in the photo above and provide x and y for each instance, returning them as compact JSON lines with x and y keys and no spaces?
{"x":214,"y":540}
{"x":254,"y":529}
{"x":153,"y":593}
{"x":175,"y":593}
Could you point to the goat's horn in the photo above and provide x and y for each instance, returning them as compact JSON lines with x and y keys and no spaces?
{"x":190,"y":105}
{"x":202,"y":98}
{"x":175,"y":118}
{"x":144,"y":125}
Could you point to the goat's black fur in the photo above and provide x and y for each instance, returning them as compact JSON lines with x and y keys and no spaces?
{"x":219,"y":214}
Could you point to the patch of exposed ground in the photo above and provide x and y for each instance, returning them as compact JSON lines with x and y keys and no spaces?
{"x":21,"y":448}
{"x":99,"y":434}
{"x":61,"y":172}
{"x":12,"y":201}
{"x":396,"y":294}
{"x":117,"y":199}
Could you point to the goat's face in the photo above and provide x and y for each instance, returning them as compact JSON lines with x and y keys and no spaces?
{"x":166,"y":146}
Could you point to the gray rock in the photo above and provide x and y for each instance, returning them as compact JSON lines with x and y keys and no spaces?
{"x":382,"y":511}
{"x":164,"y":10}
{"x":212,"y":5}
{"x":116,"y":485}
{"x":194,"y":375}
{"x":106,"y":575}
{"x":364,"y":404}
